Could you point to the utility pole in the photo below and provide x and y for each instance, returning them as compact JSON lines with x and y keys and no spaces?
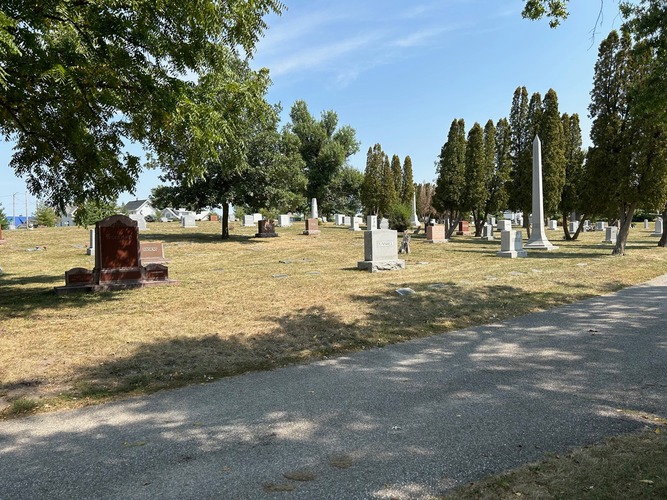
{"x":14,"y":210}
{"x":26,"y":210}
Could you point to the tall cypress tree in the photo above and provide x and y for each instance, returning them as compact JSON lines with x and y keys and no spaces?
{"x":521,"y":174}
{"x":397,"y":173}
{"x":498,"y":190}
{"x":553,"y":153}
{"x":388,"y":197}
{"x":571,"y":196}
{"x":407,"y":183}
{"x":372,"y":186}
{"x":449,"y":196}
{"x":629,"y":153}
{"x":476,"y":175}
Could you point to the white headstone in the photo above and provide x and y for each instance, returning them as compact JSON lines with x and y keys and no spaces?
{"x":600,"y":226}
{"x":645,"y":223}
{"x":553,"y":224}
{"x":538,"y":238}
{"x":381,"y":251}
{"x":372,"y":223}
{"x":487,"y":232}
{"x":91,"y":246}
{"x":611,"y":234}
{"x":354,"y":224}
{"x":249,"y":220}
{"x":574,"y":225}
{"x":504,"y":225}
{"x":347,"y":220}
{"x":384,"y":223}
{"x":141,"y":222}
{"x":658,"y":227}
{"x":511,"y":245}
{"x":257,"y":218}
{"x":284,"y":220}
{"x":188,"y":220}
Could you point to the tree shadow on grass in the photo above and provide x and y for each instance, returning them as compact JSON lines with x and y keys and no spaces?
{"x":196,"y":237}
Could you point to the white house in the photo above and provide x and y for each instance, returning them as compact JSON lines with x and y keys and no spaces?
{"x":67,"y":219}
{"x":140,"y":207}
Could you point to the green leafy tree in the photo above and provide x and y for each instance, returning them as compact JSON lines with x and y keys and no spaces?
{"x":91,"y":212}
{"x":81,"y":79}
{"x":45,"y":215}
{"x":343,"y":193}
{"x":477,"y":173}
{"x":556,"y":10}
{"x":553,"y":153}
{"x":4,"y":222}
{"x":324,"y":147}
{"x":424,"y":193}
{"x":399,"y":215}
{"x":407,"y":183}
{"x":629,"y":152}
{"x":371,"y":190}
{"x":450,"y":191}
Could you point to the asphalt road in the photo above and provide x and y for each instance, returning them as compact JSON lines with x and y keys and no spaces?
{"x":407,"y":421}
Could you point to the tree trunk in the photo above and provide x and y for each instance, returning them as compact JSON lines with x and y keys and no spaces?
{"x":452,"y":228}
{"x":479,"y":223}
{"x":626,"y":212}
{"x":566,"y":229}
{"x":526,"y":226}
{"x":225,"y":221}
{"x":663,"y":239}
{"x":579,"y":227}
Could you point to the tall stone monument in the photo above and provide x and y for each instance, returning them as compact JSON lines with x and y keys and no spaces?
{"x":313,"y":209}
{"x":538,"y":237}
{"x":414,"y":220}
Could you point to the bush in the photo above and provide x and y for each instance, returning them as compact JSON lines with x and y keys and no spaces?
{"x":4,"y":222}
{"x":399,"y":217}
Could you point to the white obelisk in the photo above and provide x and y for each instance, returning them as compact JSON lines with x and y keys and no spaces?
{"x":538,"y":238}
{"x":313,"y":209}
{"x":414,"y":220}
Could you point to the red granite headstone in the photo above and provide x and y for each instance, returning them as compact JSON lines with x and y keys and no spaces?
{"x":266,"y":229}
{"x":311,"y":227}
{"x":156,"y":272}
{"x":464,"y":228}
{"x":117,"y":250}
{"x":151,"y":253}
{"x":78,"y":276}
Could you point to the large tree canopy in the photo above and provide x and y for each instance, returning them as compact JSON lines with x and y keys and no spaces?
{"x":82,"y":79}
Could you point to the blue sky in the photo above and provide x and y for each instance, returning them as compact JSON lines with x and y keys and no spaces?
{"x":399,"y":72}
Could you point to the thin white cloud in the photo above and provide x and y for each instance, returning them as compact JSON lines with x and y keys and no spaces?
{"x":419,"y":38}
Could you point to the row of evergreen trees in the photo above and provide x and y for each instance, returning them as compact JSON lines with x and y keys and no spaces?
{"x":386,"y":184}
{"x":490,"y":169}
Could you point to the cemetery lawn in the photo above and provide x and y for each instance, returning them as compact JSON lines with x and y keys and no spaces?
{"x":255,"y":304}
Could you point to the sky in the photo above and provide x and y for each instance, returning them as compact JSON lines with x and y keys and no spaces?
{"x":399,"y":72}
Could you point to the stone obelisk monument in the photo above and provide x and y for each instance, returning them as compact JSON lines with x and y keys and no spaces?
{"x":538,"y":238}
{"x":414,"y":220}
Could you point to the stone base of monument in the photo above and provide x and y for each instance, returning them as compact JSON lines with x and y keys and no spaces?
{"x":78,"y":279}
{"x":380,"y":265}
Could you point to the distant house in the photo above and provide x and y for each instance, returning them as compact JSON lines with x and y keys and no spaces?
{"x":197,"y":215}
{"x":140,"y":207}
{"x":168,"y":215}
{"x":67,"y":219}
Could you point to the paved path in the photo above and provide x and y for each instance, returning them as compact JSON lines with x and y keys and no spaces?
{"x":407,"y":421}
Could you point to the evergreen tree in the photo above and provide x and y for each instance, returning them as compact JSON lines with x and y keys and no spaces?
{"x":45,"y":215}
{"x":343,"y":193}
{"x":407,"y":183}
{"x":371,"y":189}
{"x":629,"y":152}
{"x":498,"y":185}
{"x":521,"y":153}
{"x":4,"y":222}
{"x":424,"y":193}
{"x":571,"y":196}
{"x":553,"y":153}
{"x":90,"y":213}
{"x":477,"y":173}
{"x":388,"y":197}
{"x":449,"y":197}
{"x":397,"y":174}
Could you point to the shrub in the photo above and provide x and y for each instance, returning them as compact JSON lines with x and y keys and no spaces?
{"x":399,"y":217}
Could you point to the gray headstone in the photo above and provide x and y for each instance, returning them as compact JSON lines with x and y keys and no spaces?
{"x":372,"y":223}
{"x":511,"y":245}
{"x":384,"y":223}
{"x":249,"y":220}
{"x":611,"y":234}
{"x":188,"y":220}
{"x":284,"y":220}
{"x":380,"y":251}
{"x":141,"y":222}
{"x":504,"y":225}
